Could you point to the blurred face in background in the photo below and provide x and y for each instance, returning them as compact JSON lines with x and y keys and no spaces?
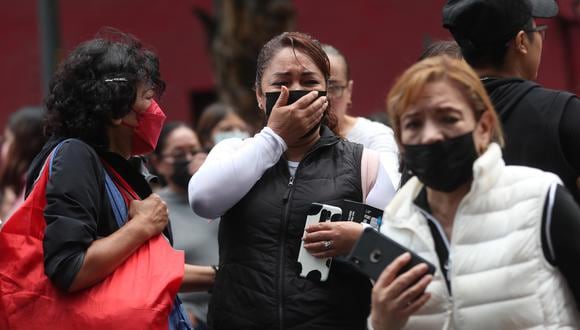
{"x":7,"y":142}
{"x":231,"y":126}
{"x":180,"y":159}
{"x":339,"y":86}
{"x":7,"y":195}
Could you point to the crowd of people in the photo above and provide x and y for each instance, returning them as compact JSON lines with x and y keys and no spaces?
{"x":477,"y":173}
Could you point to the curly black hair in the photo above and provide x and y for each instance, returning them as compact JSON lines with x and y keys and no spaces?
{"x":97,"y":83}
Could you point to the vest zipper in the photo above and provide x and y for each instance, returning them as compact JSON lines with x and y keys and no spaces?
{"x":451,"y":244}
{"x":282,"y":249}
{"x":289,"y":189}
{"x":448,"y":264}
{"x":282,"y":241}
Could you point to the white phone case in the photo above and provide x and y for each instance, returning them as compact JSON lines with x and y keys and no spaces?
{"x":308,"y":265}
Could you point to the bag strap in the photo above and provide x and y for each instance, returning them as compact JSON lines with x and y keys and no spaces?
{"x":120,"y":193}
{"x":116,"y":200}
{"x":51,"y":156}
{"x":126,"y":190}
{"x":370,"y":163}
{"x":48,"y":162}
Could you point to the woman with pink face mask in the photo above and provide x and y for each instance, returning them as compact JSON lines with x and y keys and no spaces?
{"x":101,"y":111}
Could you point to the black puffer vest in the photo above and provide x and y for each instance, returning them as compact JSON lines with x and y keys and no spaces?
{"x":258,"y":286}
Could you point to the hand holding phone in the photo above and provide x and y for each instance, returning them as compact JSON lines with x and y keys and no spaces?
{"x":308,"y":265}
{"x":396,"y":298}
{"x":374,"y":251}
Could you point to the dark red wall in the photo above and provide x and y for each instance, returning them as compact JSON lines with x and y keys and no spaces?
{"x":380,"y":37}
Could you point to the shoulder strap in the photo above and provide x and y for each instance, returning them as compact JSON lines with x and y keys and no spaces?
{"x":51,"y":157}
{"x":116,"y":200}
{"x":49,"y":160}
{"x":369,"y":170}
{"x":120,"y":193}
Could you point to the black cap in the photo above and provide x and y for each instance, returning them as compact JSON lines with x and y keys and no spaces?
{"x":476,"y":23}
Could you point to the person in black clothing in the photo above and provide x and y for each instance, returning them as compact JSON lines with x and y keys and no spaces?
{"x":101,"y":111}
{"x":501,"y":41}
{"x":442,"y":47}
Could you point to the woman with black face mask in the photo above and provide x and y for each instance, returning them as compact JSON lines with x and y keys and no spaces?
{"x":176,"y":158}
{"x":504,"y":238}
{"x":262,"y":188}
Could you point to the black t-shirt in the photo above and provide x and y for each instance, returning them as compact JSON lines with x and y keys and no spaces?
{"x":78,"y":210}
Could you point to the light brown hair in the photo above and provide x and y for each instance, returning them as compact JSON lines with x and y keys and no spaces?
{"x":440,"y":68}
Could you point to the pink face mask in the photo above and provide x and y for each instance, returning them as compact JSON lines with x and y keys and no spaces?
{"x":146,"y":133}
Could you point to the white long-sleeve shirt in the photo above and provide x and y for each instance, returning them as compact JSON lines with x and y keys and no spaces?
{"x":233,"y":167}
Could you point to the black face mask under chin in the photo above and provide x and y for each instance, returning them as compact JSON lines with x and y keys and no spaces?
{"x":181,"y":174}
{"x":445,"y":165}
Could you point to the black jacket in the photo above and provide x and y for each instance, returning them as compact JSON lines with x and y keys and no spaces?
{"x":258,"y":286}
{"x":78,"y":209}
{"x":531,"y":117}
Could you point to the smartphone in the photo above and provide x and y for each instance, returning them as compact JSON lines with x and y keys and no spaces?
{"x":362,"y":213}
{"x":373,"y":252}
{"x":309,"y":266}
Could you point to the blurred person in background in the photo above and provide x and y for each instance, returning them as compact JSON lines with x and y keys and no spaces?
{"x":177,"y":157}
{"x":262,"y":188}
{"x":504,"y":239}
{"x":379,"y":117}
{"x":371,"y":134}
{"x":23,"y":138}
{"x":502,"y":41}
{"x":442,"y":47}
{"x":219,"y":122}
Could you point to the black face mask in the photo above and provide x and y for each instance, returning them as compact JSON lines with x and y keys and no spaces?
{"x":293,"y":96}
{"x":444,"y":165}
{"x":181,"y":174}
